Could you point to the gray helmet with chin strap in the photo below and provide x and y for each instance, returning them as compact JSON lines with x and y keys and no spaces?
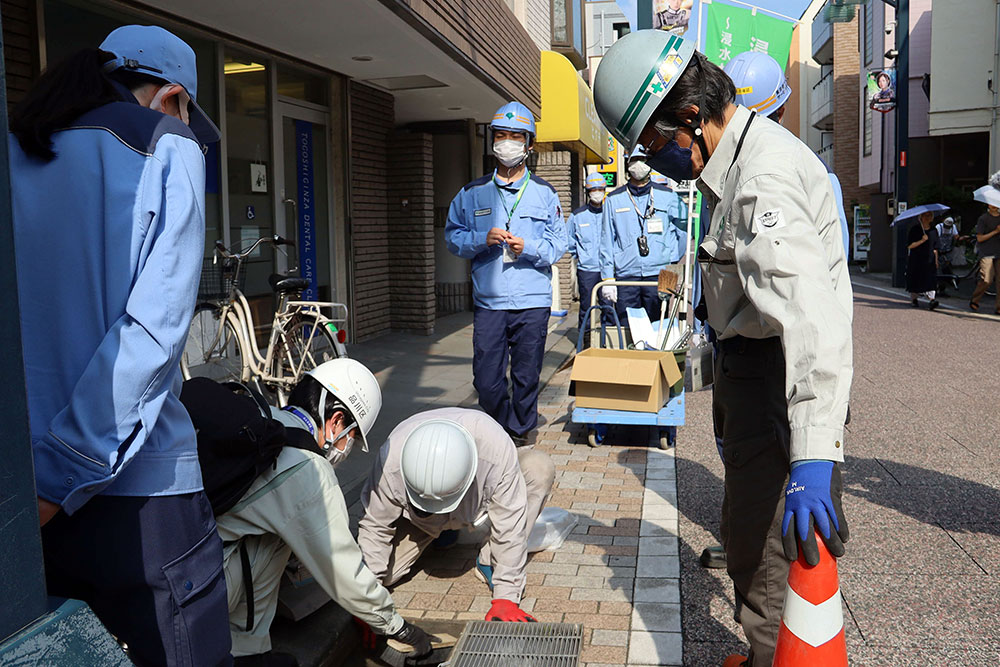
{"x":635,"y":76}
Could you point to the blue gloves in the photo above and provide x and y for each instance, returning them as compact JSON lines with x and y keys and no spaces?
{"x":813,"y":497}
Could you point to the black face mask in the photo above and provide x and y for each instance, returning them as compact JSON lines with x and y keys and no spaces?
{"x":673,"y":161}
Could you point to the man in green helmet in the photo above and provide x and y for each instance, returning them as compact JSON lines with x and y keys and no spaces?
{"x":779,"y":297}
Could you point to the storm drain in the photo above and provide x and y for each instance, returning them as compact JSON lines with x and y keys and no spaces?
{"x":490,"y":643}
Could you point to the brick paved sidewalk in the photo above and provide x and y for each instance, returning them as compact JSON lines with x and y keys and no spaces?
{"x":617,"y":573}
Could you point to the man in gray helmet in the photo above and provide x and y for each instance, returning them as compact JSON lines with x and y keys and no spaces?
{"x":778,"y":295}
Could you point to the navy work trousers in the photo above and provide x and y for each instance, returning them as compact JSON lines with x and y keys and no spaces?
{"x":639,"y":297}
{"x":586,"y":280}
{"x":518,"y":335}
{"x":151,"y":570}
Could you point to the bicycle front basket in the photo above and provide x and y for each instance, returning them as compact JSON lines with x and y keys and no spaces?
{"x":217,"y":279}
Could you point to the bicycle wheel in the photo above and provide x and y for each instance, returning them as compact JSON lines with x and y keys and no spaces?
{"x":307,"y":344}
{"x":211,"y":352}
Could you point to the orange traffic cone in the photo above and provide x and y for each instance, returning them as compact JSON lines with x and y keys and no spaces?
{"x":812,"y":623}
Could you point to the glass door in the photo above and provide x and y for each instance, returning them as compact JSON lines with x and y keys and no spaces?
{"x":305,"y":196}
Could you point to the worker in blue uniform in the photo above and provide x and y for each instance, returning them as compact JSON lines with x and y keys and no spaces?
{"x":661,"y":182}
{"x":510,"y":224}
{"x":641,"y":236}
{"x":585,"y":240}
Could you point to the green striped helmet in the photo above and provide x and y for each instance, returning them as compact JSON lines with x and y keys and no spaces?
{"x":633,"y":78}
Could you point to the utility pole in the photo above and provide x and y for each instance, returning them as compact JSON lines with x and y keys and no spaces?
{"x":902,"y":135}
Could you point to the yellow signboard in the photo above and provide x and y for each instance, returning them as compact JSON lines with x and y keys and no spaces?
{"x":569,"y":116}
{"x":611,"y":167}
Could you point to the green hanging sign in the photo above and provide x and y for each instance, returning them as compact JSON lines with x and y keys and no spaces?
{"x":732,"y":30}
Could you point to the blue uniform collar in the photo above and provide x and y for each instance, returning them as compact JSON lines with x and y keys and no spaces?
{"x":594,"y":209}
{"x":303,"y":416}
{"x":641,"y":190}
{"x":513,"y":185}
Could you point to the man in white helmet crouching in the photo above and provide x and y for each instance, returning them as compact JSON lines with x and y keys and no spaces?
{"x":447,"y":469}
{"x":296,"y":506}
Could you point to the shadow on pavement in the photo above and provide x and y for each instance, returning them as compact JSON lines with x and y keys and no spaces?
{"x":933,"y":497}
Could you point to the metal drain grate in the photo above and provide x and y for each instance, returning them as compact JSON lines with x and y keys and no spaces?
{"x":494,"y":644}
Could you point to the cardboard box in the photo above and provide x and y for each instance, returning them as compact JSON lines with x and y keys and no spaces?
{"x":634,"y":380}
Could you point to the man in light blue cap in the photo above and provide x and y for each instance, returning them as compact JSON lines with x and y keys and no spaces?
{"x":510,"y":224}
{"x":641,"y":237}
{"x":108,"y":189}
{"x":585,"y":241}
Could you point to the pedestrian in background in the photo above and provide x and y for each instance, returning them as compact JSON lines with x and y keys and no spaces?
{"x":108,"y":186}
{"x":922,"y":261}
{"x":510,"y":224}
{"x":584,"y":227}
{"x":988,"y":238}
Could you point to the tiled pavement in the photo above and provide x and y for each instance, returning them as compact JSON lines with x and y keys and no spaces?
{"x":618,"y":572}
{"x":921,"y":579}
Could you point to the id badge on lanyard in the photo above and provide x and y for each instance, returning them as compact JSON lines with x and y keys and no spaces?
{"x":508,"y":255}
{"x":642,"y":241}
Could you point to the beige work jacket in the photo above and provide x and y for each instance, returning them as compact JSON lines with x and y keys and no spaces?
{"x":498,"y":492}
{"x":774,"y":265}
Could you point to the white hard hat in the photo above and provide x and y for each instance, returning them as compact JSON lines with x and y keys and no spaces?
{"x":438,"y":461}
{"x":351,"y":383}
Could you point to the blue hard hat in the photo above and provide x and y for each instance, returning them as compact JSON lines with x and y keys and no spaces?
{"x":760,"y":83}
{"x":155,"y":52}
{"x":596,"y":182}
{"x":515,"y":117}
{"x":639,"y":151}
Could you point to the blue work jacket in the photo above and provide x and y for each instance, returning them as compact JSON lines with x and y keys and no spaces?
{"x":585,"y":237}
{"x":537,"y":218}
{"x":622,"y":225}
{"x":109,"y":237}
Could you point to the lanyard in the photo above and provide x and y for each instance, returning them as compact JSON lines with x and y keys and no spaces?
{"x":520,"y":191}
{"x":649,"y":208}
{"x":702,"y":255}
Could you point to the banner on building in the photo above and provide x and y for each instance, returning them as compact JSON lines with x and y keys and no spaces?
{"x":729,"y":31}
{"x":305,"y":206}
{"x":674,"y":16}
{"x":882,"y":89}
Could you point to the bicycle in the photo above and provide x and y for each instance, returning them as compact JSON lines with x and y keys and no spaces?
{"x":221,"y":343}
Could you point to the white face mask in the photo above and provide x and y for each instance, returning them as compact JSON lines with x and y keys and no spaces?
{"x":510,"y":152}
{"x":639,"y":170}
{"x":337,"y":456}
{"x":596,"y":197}
{"x":182,"y":101}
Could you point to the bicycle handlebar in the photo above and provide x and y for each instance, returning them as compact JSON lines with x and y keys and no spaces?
{"x":273,"y":240}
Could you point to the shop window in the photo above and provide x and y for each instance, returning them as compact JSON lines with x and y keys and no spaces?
{"x":305,"y":86}
{"x":869,"y":32}
{"x":567,"y":30}
{"x":868,"y":113}
{"x":250,"y":167}
{"x":621,"y":29}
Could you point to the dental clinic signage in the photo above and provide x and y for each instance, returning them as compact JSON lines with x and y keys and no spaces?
{"x":729,"y":31}
{"x":306,"y":206}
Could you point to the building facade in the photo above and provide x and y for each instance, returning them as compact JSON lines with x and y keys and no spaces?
{"x":381,"y":105}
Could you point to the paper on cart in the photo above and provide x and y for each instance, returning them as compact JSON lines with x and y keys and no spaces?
{"x":643,"y":335}
{"x":647,"y":335}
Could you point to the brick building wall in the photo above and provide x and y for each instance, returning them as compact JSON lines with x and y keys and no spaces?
{"x":371,"y":123}
{"x":19,"y":47}
{"x":847,"y":113}
{"x":556,"y":167}
{"x":411,"y":232}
